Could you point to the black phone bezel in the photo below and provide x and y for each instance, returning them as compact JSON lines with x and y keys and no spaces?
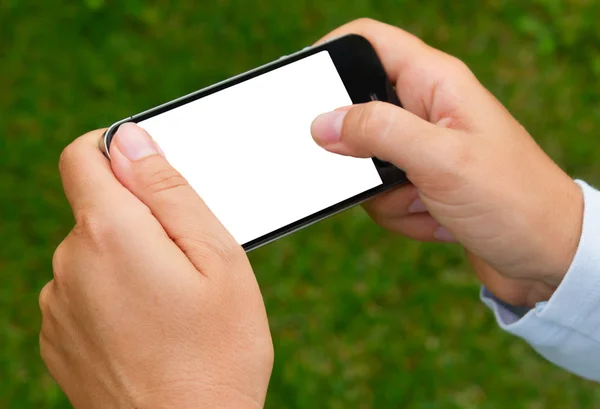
{"x":365,"y":80}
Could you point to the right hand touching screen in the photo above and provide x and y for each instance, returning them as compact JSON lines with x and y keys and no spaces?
{"x":477,"y":176}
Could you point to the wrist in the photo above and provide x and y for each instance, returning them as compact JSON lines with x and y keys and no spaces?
{"x":553,"y":231}
{"x":564,"y":225}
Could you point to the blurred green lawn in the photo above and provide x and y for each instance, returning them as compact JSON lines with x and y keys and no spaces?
{"x":360,"y":318}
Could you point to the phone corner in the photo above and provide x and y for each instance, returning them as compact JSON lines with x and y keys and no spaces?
{"x":107,"y":136}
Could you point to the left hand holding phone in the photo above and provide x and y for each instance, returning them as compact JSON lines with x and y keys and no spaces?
{"x":153,"y":303}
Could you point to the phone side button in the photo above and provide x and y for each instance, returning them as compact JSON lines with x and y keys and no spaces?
{"x":283,"y":57}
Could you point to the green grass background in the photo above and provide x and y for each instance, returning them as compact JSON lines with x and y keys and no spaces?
{"x":360,"y":318}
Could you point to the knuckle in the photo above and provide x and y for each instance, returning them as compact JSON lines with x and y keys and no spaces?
{"x":364,"y":22}
{"x":457,"y":65}
{"x":67,"y":157}
{"x":96,"y":227}
{"x":45,"y":297}
{"x":58,"y":265}
{"x":47,"y":351}
{"x":211,"y":251}
{"x":71,"y":158}
{"x":373,"y":122}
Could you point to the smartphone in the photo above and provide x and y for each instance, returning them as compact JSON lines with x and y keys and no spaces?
{"x":245,"y":145}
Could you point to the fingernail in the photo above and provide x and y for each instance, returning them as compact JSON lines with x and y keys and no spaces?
{"x":327,"y":128}
{"x":443,"y":234}
{"x":134,"y":142}
{"x":417,"y":207}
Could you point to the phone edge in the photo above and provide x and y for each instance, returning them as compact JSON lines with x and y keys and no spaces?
{"x":106,"y":140}
{"x":352,"y":203}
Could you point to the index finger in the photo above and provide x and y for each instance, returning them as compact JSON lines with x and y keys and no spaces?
{"x":395,"y":47}
{"x":88,"y":180}
{"x":415,"y":68}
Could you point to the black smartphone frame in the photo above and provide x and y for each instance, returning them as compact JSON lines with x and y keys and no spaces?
{"x":365,"y":80}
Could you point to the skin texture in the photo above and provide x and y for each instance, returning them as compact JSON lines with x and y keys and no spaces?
{"x":477,"y":176}
{"x":153,"y":304}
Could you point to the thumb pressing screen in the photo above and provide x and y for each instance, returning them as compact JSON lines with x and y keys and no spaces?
{"x":248,"y":152}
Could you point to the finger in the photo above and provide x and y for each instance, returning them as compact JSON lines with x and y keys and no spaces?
{"x":403,"y":212}
{"x":419,"y":226}
{"x":399,"y":202}
{"x":138,"y":164}
{"x":385,"y":131}
{"x":88,"y":180}
{"x":423,"y":75}
{"x":386,"y":40}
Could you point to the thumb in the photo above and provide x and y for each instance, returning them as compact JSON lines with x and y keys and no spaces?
{"x":377,"y":129}
{"x":141,"y":167}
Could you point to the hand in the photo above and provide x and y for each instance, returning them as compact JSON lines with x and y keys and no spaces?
{"x":153,"y":304}
{"x":477,"y":176}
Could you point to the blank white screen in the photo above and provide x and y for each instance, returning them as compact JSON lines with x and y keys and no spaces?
{"x":248,"y":152}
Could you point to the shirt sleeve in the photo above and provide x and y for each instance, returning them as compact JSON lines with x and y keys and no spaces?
{"x":565,"y":329}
